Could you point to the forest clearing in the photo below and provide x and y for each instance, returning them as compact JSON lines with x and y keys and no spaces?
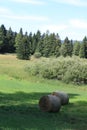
{"x":20,"y":93}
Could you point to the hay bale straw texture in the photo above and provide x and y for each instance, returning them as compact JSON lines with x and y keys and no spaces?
{"x":63,"y":97}
{"x":50,"y":103}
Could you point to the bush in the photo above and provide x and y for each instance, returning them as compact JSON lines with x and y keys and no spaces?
{"x":37,"y":55}
{"x":76,"y":74}
{"x":65,"y":69}
{"x":47,"y":73}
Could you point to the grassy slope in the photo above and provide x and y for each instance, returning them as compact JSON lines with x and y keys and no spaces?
{"x":19,"y":96}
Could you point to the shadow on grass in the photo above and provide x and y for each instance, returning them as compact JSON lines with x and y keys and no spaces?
{"x":20,"y":111}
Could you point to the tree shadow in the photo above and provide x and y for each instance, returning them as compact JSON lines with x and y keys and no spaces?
{"x":73,"y":95}
{"x":20,"y":111}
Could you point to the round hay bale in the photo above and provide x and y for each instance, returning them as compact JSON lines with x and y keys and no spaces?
{"x":50,"y":103}
{"x":63,"y":97}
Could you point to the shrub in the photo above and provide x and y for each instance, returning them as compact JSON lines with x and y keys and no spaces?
{"x":76,"y":74}
{"x":37,"y":55}
{"x":65,"y":69}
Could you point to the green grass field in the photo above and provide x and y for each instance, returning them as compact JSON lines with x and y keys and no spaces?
{"x":20,"y":94}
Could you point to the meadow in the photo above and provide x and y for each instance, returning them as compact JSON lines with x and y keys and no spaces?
{"x":20,"y":93}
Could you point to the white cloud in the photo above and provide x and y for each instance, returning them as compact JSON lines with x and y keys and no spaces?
{"x":4,"y":10}
{"x":53,"y":28}
{"x":34,"y":2}
{"x":24,"y":17}
{"x":80,"y":24}
{"x":72,"y":2}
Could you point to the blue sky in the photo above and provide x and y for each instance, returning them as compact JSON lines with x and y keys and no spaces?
{"x":65,"y":17}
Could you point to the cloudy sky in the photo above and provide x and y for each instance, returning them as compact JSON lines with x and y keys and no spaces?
{"x":65,"y":17}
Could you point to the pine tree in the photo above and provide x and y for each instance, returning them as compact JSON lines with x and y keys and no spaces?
{"x":30,"y":38}
{"x":25,"y":45}
{"x":53,"y":44}
{"x":76,"y":48}
{"x":3,"y":40}
{"x":82,"y":51}
{"x":85,"y":46}
{"x":49,"y":45}
{"x":18,"y":42}
{"x":22,"y":46}
{"x":57,"y":46}
{"x":67,"y":47}
{"x":11,"y":40}
{"x":71,"y":48}
{"x":35,"y":40}
{"x":40,"y":46}
{"x":46,"y":46}
{"x":63,"y":50}
{"x":34,"y":43}
{"x":38,"y":38}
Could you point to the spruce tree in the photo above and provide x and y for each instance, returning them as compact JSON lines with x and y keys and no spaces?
{"x":40,"y":46}
{"x":57,"y":46}
{"x":82,"y":51}
{"x":34,"y":44}
{"x":67,"y":47}
{"x":85,"y":46}
{"x":22,"y":46}
{"x":3,"y":40}
{"x":51,"y":44}
{"x":30,"y":38}
{"x":46,"y":46}
{"x":76,"y":48}
{"x":11,"y":40}
{"x":18,"y":42}
{"x":25,"y":45}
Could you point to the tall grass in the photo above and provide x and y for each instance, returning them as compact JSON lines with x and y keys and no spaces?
{"x":10,"y":65}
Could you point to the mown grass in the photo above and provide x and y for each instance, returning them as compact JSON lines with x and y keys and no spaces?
{"x":20,"y":94}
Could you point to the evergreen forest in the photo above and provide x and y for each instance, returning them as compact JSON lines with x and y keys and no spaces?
{"x":45,"y":45}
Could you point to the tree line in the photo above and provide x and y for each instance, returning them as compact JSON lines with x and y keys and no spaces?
{"x":46,"y":44}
